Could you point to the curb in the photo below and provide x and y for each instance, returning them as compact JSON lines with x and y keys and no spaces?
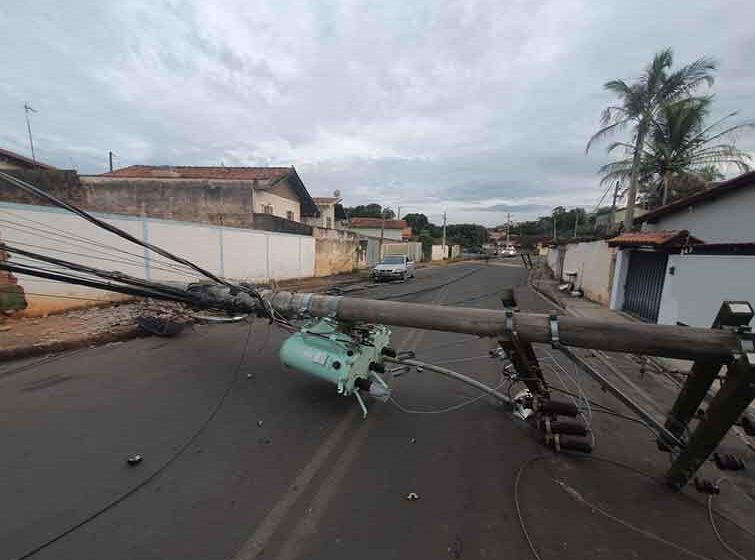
{"x":20,"y":352}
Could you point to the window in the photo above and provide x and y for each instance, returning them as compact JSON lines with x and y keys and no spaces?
{"x":267,"y":208}
{"x":290,"y":215}
{"x":328,"y":222}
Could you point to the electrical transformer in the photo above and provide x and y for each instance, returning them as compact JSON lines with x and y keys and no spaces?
{"x":350,"y":359}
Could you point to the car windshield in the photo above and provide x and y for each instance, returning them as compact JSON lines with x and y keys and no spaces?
{"x":393,"y":260}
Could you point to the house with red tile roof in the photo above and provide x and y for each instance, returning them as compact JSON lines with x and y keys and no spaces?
{"x":214,"y":194}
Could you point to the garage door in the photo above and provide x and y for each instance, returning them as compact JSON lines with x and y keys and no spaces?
{"x":642,"y":294}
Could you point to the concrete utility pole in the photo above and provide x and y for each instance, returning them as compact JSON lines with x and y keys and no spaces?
{"x":576,"y":220}
{"x":508,"y":227}
{"x":613,"y":204}
{"x":443,"y":243}
{"x":29,"y":109}
{"x":654,"y":340}
{"x":382,"y":231}
{"x":555,"y":216}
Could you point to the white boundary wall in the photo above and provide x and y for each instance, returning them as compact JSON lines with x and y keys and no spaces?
{"x":593,"y":261}
{"x":696,"y":285}
{"x":233,"y":253}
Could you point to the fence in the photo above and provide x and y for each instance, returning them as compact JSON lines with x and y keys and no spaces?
{"x":234,"y":253}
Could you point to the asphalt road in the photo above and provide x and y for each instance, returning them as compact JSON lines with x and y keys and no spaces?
{"x":245,"y":459}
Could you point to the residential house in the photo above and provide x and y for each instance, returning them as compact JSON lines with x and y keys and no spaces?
{"x":332,"y":214}
{"x":691,"y":255}
{"x":13,"y":161}
{"x":260,"y":197}
{"x":394,"y":230}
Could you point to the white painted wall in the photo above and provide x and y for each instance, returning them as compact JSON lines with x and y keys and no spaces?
{"x":726,"y":219}
{"x":693,"y":293}
{"x":621,"y":268}
{"x":234,"y":253}
{"x":553,"y":260}
{"x":593,"y":262}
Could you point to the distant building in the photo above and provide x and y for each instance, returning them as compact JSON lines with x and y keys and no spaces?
{"x":11,"y":161}
{"x":332,"y":215}
{"x":691,"y":255}
{"x":395,"y":230}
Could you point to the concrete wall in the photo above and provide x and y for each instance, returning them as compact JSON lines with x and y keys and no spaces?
{"x":217,"y":202}
{"x":412,"y":249}
{"x":439,"y":252}
{"x":392,"y":234}
{"x":620,"y":270}
{"x":593,"y":262}
{"x":553,"y":260}
{"x":336,"y":252}
{"x":326,"y":219}
{"x":696,"y":285}
{"x":726,"y":219}
{"x":234,"y":253}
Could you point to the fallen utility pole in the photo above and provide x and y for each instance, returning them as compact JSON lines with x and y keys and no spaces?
{"x":655,"y":340}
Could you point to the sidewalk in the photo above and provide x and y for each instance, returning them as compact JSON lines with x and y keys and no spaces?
{"x":544,"y":283}
{"x":671,"y":372}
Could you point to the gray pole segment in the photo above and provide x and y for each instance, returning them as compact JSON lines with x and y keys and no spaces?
{"x":671,"y":341}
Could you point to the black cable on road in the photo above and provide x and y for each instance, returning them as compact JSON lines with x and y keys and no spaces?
{"x":180,"y":451}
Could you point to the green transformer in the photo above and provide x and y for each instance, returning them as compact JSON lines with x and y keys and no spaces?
{"x":321,"y":349}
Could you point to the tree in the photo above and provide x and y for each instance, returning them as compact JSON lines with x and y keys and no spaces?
{"x":417,"y":222}
{"x":640,"y":102}
{"x":682,"y":154}
{"x":372,"y":210}
{"x":470,"y":236}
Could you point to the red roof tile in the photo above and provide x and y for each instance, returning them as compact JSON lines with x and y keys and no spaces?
{"x":192,"y":172}
{"x":377,"y":223}
{"x":654,"y":239}
{"x":23,"y":160}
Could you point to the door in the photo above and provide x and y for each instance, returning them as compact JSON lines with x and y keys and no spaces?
{"x":644,"y":286}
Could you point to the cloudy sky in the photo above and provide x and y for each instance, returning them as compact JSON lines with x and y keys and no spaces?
{"x":477,"y":107}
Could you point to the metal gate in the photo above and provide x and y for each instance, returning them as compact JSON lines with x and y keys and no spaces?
{"x":642,"y":293}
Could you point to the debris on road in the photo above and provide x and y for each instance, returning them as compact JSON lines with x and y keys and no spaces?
{"x":134,"y":460}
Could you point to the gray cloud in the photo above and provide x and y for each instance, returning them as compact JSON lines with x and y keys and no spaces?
{"x":477,"y":108}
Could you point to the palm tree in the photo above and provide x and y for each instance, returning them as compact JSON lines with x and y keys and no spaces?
{"x":681,"y":153}
{"x":640,"y":102}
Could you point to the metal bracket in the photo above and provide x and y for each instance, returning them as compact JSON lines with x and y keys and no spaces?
{"x":304,"y":306}
{"x":333,"y":303}
{"x":509,"y":320}
{"x":553,"y":326}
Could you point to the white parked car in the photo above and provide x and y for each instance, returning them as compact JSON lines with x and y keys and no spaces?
{"x":394,"y":267}
{"x":508,"y":251}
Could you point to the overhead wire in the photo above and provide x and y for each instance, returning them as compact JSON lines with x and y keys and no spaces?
{"x":29,"y":188}
{"x":596,"y":509}
{"x":721,"y":540}
{"x":91,"y":252}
